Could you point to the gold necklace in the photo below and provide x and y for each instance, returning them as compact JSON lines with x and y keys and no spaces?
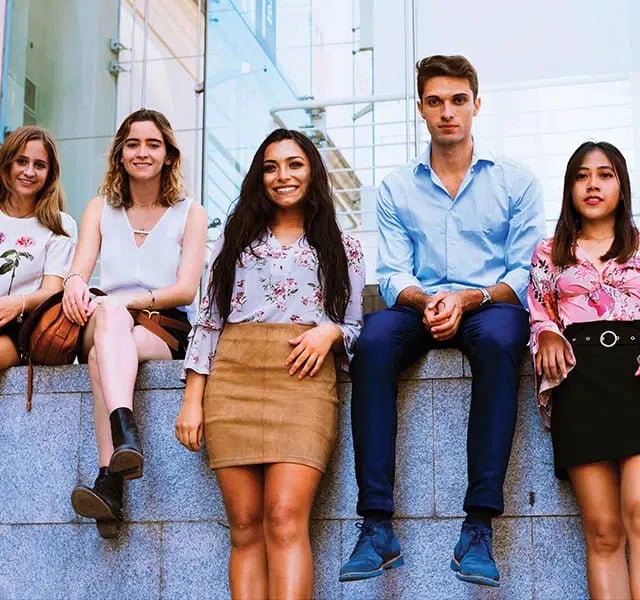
{"x":142,"y":230}
{"x":24,"y":216}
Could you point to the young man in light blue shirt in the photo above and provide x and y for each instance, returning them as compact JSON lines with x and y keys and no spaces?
{"x":457,"y":229}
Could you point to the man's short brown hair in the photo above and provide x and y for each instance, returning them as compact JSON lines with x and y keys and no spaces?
{"x":440,"y":65}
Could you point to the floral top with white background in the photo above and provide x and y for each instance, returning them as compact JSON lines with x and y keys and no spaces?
{"x":277,"y":284}
{"x":28,"y":251}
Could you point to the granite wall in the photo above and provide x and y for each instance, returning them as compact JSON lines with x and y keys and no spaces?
{"x":175,"y":540}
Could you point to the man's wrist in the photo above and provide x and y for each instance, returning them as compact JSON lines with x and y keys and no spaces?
{"x":472,"y":298}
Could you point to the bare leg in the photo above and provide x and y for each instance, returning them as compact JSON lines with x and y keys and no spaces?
{"x":597,"y":489}
{"x":630,"y":497}
{"x":289,"y":493}
{"x":116,"y":355}
{"x":243,"y":492}
{"x":100,"y":413}
{"x":8,"y":353}
{"x":119,"y":384}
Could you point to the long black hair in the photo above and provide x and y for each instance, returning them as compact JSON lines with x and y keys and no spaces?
{"x":625,"y":241}
{"x":254,"y":212}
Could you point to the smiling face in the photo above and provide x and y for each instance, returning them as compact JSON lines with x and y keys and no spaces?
{"x":286,"y":173}
{"x":596,"y":189}
{"x":29,"y":170}
{"x":144,"y":153}
{"x":448,"y":107}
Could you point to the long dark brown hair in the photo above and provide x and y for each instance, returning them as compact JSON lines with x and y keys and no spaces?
{"x":254,"y":212}
{"x":625,"y":241}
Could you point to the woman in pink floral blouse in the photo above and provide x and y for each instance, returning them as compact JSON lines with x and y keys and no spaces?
{"x":37,"y":239}
{"x":584,"y":301}
{"x":285,"y":292}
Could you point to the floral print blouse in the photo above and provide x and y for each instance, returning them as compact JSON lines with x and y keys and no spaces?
{"x":29,"y":251}
{"x":277,"y":284}
{"x":577,"y":293}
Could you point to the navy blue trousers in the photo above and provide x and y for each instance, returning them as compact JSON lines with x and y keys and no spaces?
{"x":492,"y":338}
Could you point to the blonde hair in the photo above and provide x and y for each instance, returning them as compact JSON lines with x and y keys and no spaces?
{"x":115,"y":187}
{"x":50,"y":199}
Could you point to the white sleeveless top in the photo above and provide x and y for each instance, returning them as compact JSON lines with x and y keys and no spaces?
{"x":127,"y":267}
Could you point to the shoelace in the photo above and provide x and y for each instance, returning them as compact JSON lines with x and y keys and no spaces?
{"x":365,"y":529}
{"x":476,"y":537}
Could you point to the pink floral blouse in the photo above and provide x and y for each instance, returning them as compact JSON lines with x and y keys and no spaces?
{"x":277,"y":284}
{"x":578,"y":293}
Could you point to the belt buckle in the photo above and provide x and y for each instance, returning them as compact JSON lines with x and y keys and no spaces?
{"x":150,"y":314}
{"x":608,"y":344}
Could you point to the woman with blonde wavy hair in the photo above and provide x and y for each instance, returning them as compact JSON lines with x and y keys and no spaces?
{"x":36,"y":238}
{"x":150,"y":240}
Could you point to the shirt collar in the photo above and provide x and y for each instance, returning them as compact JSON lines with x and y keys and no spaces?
{"x":480,"y":154}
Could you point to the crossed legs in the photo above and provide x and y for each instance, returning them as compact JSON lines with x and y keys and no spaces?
{"x":114,"y":346}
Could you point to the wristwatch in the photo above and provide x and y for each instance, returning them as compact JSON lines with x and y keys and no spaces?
{"x":486,"y":296}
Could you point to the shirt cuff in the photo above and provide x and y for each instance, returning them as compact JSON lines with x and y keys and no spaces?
{"x":518,"y":281}
{"x":390,"y":290}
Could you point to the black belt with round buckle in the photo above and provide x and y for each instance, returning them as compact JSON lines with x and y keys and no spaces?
{"x":607,"y":339}
{"x":603,"y":338}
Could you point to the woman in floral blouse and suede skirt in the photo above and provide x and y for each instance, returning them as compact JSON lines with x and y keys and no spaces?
{"x":285,"y":292}
{"x":584,"y":302}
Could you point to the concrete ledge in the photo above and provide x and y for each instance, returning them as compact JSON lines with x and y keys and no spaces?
{"x":175,"y":542}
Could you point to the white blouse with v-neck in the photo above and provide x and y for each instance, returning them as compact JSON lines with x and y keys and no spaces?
{"x":127,"y":267}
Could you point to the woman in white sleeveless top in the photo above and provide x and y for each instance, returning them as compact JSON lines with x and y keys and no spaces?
{"x":150,"y":241}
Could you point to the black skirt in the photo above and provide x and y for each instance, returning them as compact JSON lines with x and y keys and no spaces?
{"x":12,"y":330}
{"x":596,"y":410}
{"x":181,"y":336}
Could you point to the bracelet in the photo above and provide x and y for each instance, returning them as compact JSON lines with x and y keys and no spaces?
{"x":153,"y":299}
{"x":24,"y":305}
{"x":69,"y":276}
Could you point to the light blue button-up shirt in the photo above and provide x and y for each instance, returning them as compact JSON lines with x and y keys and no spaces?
{"x":483,"y":236}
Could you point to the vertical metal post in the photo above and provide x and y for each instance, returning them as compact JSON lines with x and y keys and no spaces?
{"x":6,"y":47}
{"x":198,"y":145}
{"x":134,"y":14}
{"x":143,"y":83}
{"x":411,"y":27}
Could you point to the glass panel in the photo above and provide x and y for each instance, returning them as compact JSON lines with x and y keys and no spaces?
{"x":58,"y":77}
{"x":538,"y":106}
{"x":163,"y":69}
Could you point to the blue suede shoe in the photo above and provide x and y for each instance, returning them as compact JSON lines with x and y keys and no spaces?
{"x":377,"y":550}
{"x":473,"y":556}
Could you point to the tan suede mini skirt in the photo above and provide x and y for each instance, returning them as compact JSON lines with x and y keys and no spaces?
{"x":255,"y":412}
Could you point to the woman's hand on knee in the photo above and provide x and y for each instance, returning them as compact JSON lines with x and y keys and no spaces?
{"x":554,"y":358}
{"x":190,"y":425}
{"x":311,"y":348}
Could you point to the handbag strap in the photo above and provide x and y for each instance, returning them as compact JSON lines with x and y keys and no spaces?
{"x":29,"y":384}
{"x":153,"y":321}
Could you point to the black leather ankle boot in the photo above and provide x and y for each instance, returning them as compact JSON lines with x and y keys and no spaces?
{"x":127,"y":456}
{"x":102,"y":502}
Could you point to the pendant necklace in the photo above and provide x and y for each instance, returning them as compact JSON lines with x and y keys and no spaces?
{"x":142,"y":230}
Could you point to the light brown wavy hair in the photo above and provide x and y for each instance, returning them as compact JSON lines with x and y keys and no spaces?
{"x":115,"y":187}
{"x":50,"y":199}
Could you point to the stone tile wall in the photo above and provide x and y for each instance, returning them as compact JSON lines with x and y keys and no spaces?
{"x":175,"y":541}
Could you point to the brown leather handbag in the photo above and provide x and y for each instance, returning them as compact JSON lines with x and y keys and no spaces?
{"x":47,"y":337}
